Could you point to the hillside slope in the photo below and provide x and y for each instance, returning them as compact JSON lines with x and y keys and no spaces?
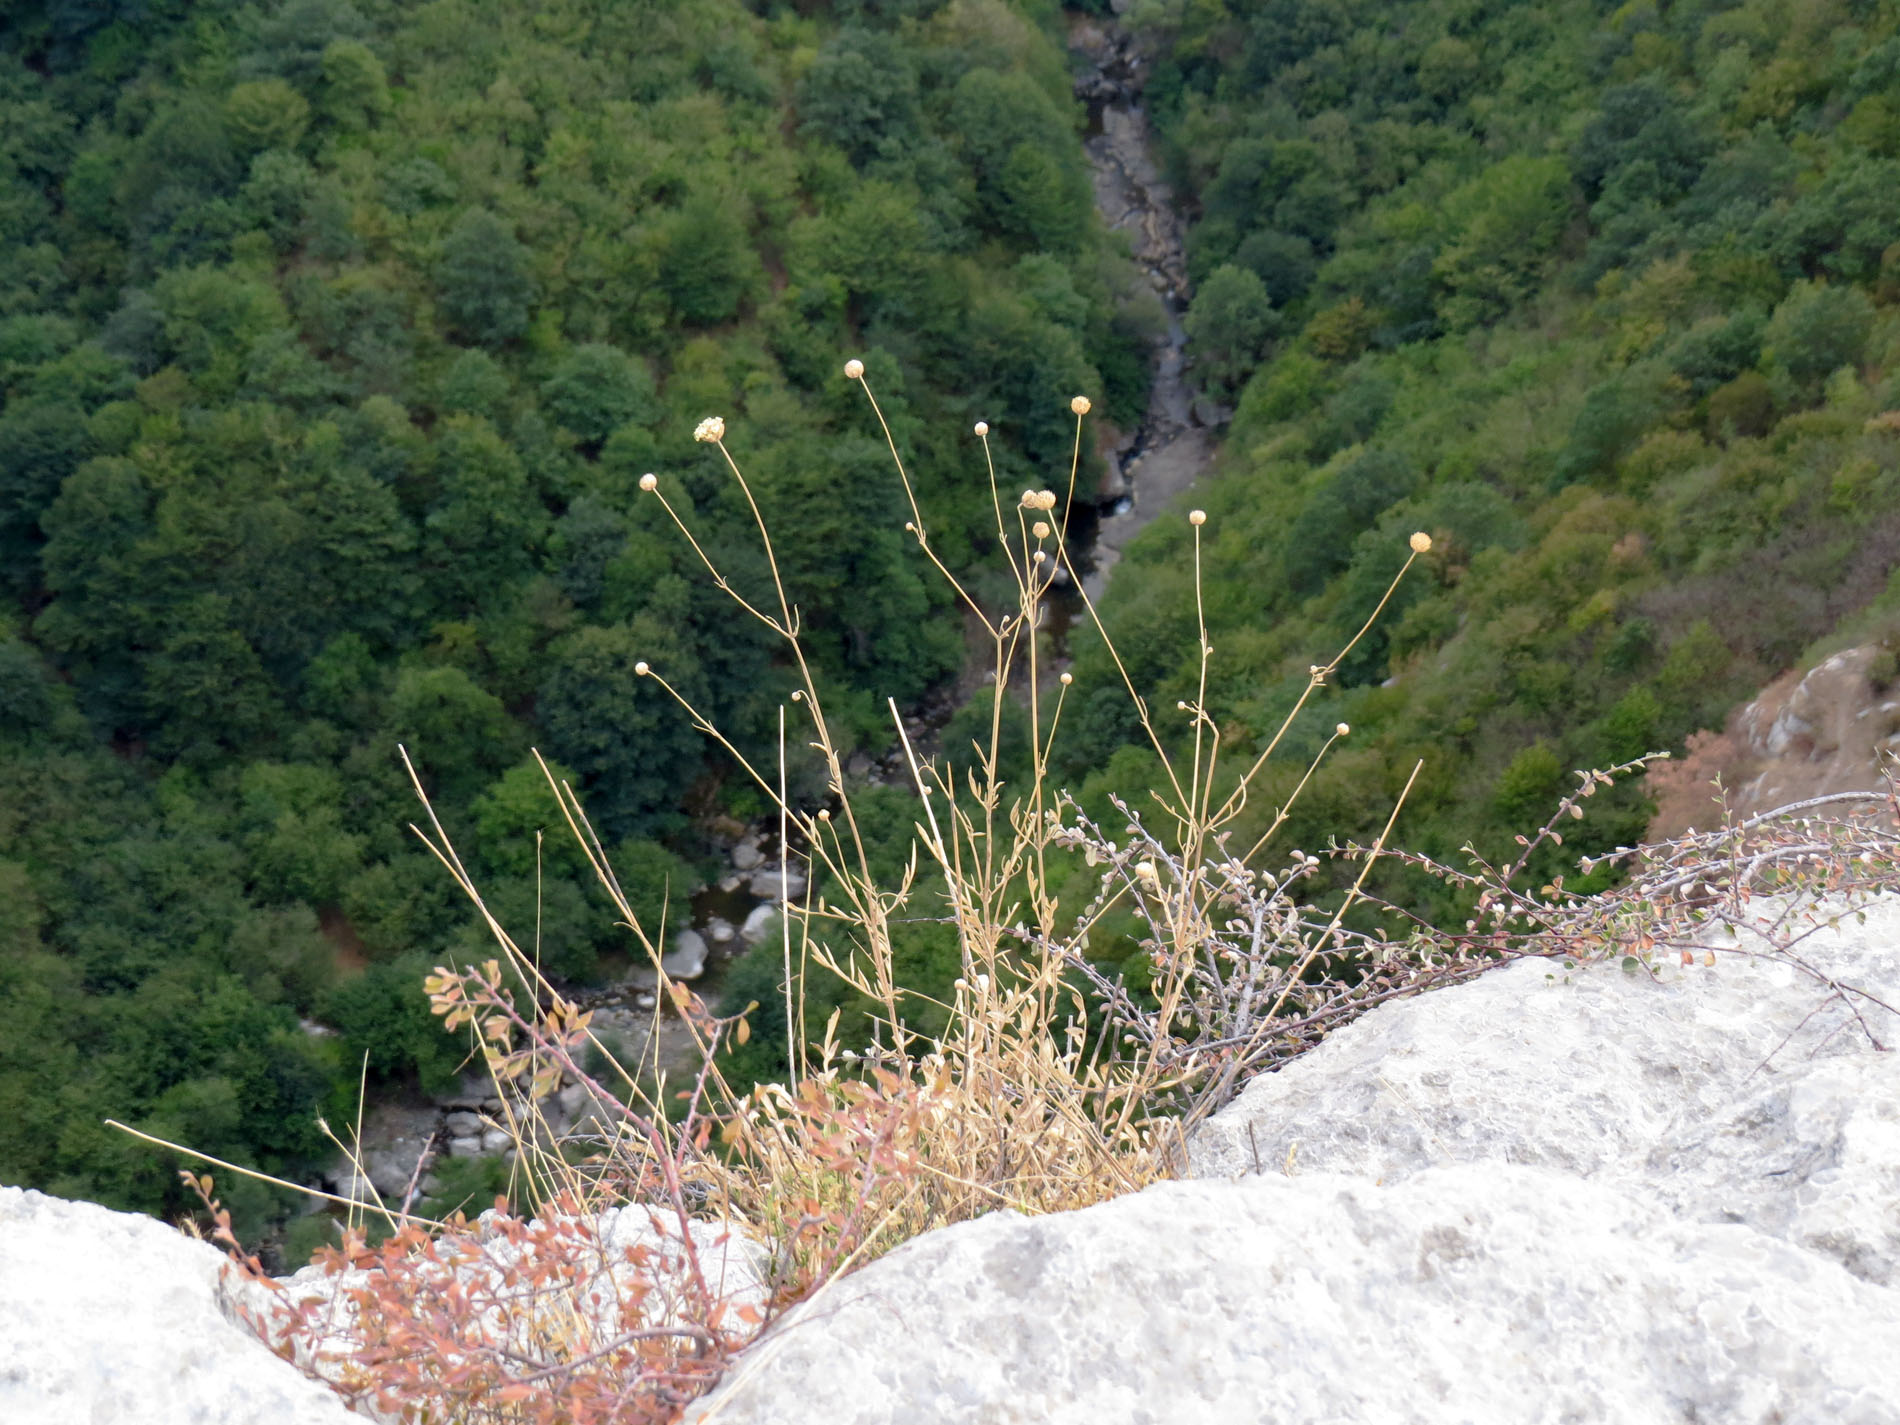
{"x":335,"y":339}
{"x":1604,"y":299}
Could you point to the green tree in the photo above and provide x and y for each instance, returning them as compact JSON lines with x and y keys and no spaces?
{"x":1816,"y":331}
{"x":630,"y":742}
{"x":355,"y":90}
{"x":457,"y":734}
{"x":707,"y":267}
{"x":597,"y":388}
{"x":1507,"y":223}
{"x":484,"y":279}
{"x":1014,"y":138}
{"x":265,"y":113}
{"x":520,"y":828}
{"x":206,"y":689}
{"x":861,"y":94}
{"x":384,"y":1017}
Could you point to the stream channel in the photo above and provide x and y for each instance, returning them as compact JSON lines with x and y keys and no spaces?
{"x":1174,"y":442}
{"x":1146,"y":468}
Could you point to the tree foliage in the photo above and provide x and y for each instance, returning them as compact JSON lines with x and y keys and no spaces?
{"x":334,"y":341}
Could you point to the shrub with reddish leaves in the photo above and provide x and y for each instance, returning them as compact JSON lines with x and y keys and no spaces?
{"x":614,"y":1317}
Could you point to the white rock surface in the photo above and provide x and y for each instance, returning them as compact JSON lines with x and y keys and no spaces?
{"x":1734,"y":1092}
{"x":776,"y":885}
{"x":1538,"y":1196}
{"x":109,"y":1318}
{"x":1468,"y":1294}
{"x":687,"y":960}
{"x":759,"y":925}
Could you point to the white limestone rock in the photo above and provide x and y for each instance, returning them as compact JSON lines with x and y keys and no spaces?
{"x":687,"y":959}
{"x":1577,"y":1070}
{"x":775,"y":885}
{"x":110,"y":1318}
{"x":1538,"y":1196}
{"x":1464,"y":1294}
{"x":760,"y":925}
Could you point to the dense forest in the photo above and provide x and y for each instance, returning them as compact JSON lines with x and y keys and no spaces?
{"x":1602,"y":297}
{"x":335,"y":338}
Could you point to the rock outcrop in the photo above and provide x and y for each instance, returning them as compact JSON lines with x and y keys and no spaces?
{"x":1551,"y":1193}
{"x":1833,"y":728}
{"x":1541,"y":1195}
{"x":109,"y":1318}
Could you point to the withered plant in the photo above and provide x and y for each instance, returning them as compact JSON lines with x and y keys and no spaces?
{"x":1046,"y":1085}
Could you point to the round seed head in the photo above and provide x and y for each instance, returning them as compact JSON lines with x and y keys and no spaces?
{"x":854,"y":369}
{"x":1040,"y":529}
{"x":798,"y":695}
{"x":1342,"y":729}
{"x":1420,"y":542}
{"x":641,"y":668}
{"x":649,"y":482}
{"x":1037,"y":557}
{"x":824,"y":813}
{"x":1145,"y":870}
{"x":1045,"y":499}
{"x":1067,"y":678}
{"x":982,"y":428}
{"x":1197,"y":516}
{"x":711,"y":429}
{"x":1080,"y":405}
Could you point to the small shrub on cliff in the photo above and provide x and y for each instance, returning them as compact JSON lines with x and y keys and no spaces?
{"x":1041,"y":1079}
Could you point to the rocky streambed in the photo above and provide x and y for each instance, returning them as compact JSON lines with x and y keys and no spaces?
{"x":1174,"y":441}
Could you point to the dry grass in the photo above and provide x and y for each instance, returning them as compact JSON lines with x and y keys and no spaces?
{"x":1048,"y":1087}
{"x":661,"y":1242}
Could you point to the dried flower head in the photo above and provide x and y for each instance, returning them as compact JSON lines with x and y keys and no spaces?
{"x":1045,"y":499}
{"x":709,"y":430}
{"x":649,"y":482}
{"x":1421,"y":542}
{"x":1197,"y":516}
{"x":1342,"y":729}
{"x":1030,"y":500}
{"x":1040,"y":529}
{"x":642,"y":668}
{"x":982,"y":427}
{"x":854,"y":369}
{"x":1037,"y":557}
{"x":1080,"y":405}
{"x":1146,"y":870}
{"x":1067,"y":678}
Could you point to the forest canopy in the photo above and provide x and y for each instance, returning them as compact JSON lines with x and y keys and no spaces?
{"x":336,"y":337}
{"x":1604,"y":299}
{"x":334,"y":340}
